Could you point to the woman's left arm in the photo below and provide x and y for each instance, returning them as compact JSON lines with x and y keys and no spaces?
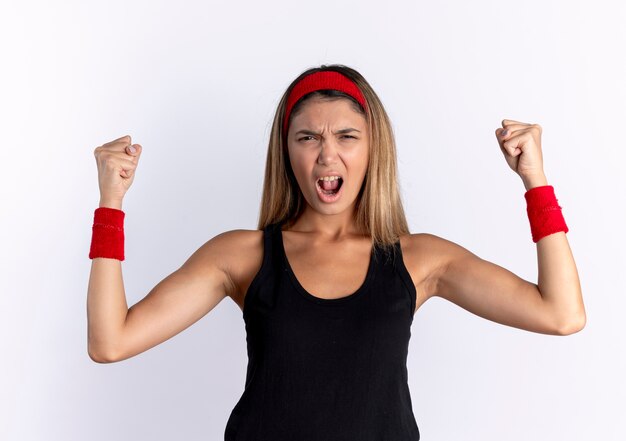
{"x":554,"y":305}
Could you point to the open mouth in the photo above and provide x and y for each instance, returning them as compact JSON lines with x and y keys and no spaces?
{"x":329,"y":188}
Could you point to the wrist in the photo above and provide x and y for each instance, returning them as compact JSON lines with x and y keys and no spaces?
{"x":535,"y":180}
{"x":107,"y":238}
{"x":110,"y":204}
{"x":544,"y":212}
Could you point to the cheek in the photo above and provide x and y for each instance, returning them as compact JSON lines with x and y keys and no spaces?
{"x":300,"y":166}
{"x":358,"y":161}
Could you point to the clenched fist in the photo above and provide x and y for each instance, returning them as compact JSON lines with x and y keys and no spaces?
{"x":117,"y":161}
{"x":520,"y":143}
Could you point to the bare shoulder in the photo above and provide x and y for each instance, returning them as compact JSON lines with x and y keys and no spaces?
{"x":426,"y":256}
{"x":237,"y":253}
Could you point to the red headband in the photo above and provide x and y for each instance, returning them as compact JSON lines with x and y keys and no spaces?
{"x":318,"y":81}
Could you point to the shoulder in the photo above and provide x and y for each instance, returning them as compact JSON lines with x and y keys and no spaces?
{"x":231,"y":244}
{"x":237,"y":253}
{"x":233,"y":239}
{"x":426,"y":257}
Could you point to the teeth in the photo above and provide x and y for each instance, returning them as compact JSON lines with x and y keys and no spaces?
{"x":329,"y":178}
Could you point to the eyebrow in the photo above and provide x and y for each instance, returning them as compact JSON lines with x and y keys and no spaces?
{"x":338,"y":132}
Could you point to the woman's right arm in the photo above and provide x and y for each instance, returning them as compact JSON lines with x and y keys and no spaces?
{"x":116,"y":332}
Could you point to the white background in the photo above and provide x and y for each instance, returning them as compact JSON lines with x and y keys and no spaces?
{"x":197,"y":84}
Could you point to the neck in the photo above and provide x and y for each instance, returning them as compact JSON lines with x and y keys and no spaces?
{"x":327,"y":226}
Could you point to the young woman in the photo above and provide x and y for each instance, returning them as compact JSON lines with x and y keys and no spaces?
{"x":330,"y":281}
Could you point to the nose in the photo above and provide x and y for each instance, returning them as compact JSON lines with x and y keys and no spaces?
{"x":328,"y":153}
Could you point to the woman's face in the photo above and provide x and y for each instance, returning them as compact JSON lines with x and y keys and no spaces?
{"x":329,"y":138}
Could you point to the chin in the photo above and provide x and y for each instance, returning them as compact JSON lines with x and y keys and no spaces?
{"x":330,"y":208}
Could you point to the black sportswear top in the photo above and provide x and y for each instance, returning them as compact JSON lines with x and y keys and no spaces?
{"x":326,"y":369}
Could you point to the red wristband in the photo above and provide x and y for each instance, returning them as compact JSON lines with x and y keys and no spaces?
{"x":107,"y":238}
{"x":544,"y":213}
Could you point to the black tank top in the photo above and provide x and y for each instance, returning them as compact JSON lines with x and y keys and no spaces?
{"x":326,"y":369}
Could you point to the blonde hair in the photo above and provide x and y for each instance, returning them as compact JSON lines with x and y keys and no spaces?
{"x":378,"y":209}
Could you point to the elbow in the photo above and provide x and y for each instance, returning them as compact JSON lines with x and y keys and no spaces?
{"x":100,"y":356}
{"x":100,"y":359}
{"x":572,"y":326}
